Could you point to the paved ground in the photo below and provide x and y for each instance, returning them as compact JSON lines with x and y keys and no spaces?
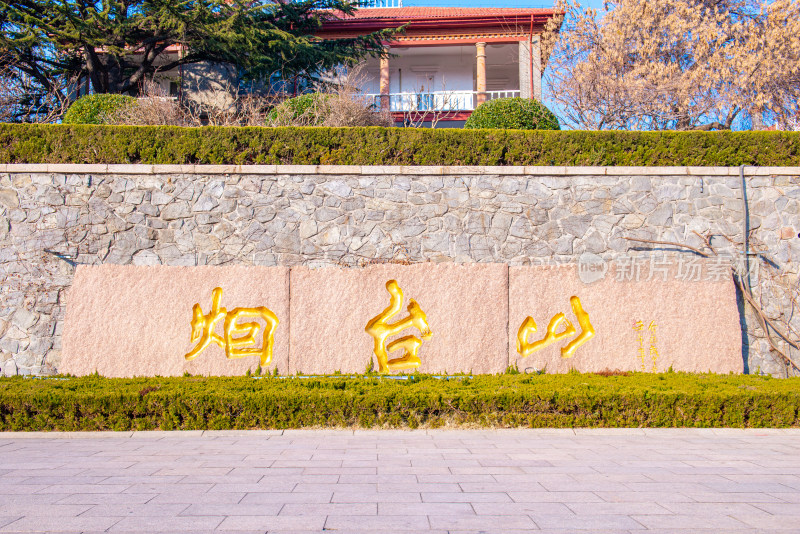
{"x":439,"y":481}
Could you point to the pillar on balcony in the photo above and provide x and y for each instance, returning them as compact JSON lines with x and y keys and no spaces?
{"x":384,"y":82}
{"x":480,"y":78}
{"x":530,"y":69}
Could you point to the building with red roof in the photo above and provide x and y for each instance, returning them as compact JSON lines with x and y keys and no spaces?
{"x":448,"y":60}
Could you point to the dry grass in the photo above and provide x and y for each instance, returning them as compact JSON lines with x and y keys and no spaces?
{"x":340,"y":104}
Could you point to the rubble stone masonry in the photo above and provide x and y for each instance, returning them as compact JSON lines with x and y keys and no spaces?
{"x":54,"y":217}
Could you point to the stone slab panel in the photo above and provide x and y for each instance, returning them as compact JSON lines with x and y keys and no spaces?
{"x":697,"y":322}
{"x":466,"y":307}
{"x":125,"y":321}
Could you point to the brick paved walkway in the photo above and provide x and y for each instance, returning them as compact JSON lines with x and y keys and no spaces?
{"x":438,"y":481}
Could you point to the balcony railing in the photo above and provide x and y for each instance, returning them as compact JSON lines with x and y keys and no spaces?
{"x":437,"y":100}
{"x":366,"y":4}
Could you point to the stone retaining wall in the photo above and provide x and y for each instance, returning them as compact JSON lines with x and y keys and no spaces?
{"x":54,"y":217}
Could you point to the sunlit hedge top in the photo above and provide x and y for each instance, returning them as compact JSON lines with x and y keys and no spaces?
{"x":390,"y":146}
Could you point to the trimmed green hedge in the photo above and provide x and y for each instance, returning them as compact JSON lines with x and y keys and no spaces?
{"x":389,"y":146}
{"x":571,"y":400}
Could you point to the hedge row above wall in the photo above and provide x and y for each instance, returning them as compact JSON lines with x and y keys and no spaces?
{"x":511,"y":400}
{"x":390,"y":146}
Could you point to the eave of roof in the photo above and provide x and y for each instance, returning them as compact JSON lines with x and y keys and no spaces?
{"x":437,"y":17}
{"x":405,"y":13}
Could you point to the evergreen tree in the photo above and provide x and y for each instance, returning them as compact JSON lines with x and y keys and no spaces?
{"x":118,"y":43}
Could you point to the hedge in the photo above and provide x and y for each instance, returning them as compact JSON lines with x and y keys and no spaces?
{"x":389,"y":146}
{"x":571,"y":400}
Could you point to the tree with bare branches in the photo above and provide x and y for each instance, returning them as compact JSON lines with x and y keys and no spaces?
{"x":675,"y":64}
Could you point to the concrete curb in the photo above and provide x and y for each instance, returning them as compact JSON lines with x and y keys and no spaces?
{"x":376,"y":170}
{"x":511,"y":432}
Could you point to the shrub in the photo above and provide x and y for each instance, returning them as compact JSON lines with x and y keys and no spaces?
{"x":309,"y":109}
{"x":341,"y":107}
{"x":513,"y":114}
{"x":509,"y":400}
{"x":49,"y":143}
{"x":96,"y":109}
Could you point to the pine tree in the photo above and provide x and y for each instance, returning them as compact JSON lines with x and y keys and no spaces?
{"x":116,"y":44}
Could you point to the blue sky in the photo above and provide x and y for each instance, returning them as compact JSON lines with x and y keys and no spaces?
{"x":493,"y":3}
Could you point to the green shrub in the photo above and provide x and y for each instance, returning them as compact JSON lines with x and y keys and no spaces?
{"x":513,"y":114}
{"x":95,"y":109}
{"x":308,"y":110}
{"x":48,"y":143}
{"x":509,"y":400}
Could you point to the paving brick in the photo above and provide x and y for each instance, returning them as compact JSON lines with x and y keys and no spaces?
{"x":417,"y":488}
{"x":454,"y":479}
{"x":329,"y":509}
{"x":747,"y":487}
{"x":64,"y":524}
{"x":272,"y":523}
{"x":492,"y":487}
{"x":231,"y":509}
{"x":85,"y":488}
{"x":519,"y":508}
{"x":347,"y":488}
{"x":732,"y":509}
{"x":377,"y":523}
{"x":783,"y":497}
{"x":267,"y":487}
{"x":712,"y":497}
{"x":374,"y":478}
{"x":584,"y":522}
{"x":426,"y":508}
{"x":621,"y":508}
{"x":35,"y":499}
{"x":376,"y":497}
{"x":483,"y":522}
{"x":177,"y":497}
{"x":160,"y":524}
{"x":21,"y":509}
{"x":6,"y":519}
{"x":547,"y":496}
{"x":746,"y":530}
{"x":788,"y":523}
{"x":465,"y":497}
{"x":135,"y":510}
{"x":21,"y":489}
{"x":708,"y":520}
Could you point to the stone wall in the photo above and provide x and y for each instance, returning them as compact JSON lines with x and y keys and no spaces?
{"x":54,"y":217}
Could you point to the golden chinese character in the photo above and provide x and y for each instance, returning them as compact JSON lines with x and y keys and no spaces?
{"x":639,"y":326}
{"x":526,"y":348}
{"x":380,"y":330}
{"x":653,"y":349}
{"x":203,"y":334}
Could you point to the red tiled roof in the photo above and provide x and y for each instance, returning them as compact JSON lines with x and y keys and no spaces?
{"x":410,"y":13}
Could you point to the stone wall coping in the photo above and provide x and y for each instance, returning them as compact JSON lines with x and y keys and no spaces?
{"x":373,"y":170}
